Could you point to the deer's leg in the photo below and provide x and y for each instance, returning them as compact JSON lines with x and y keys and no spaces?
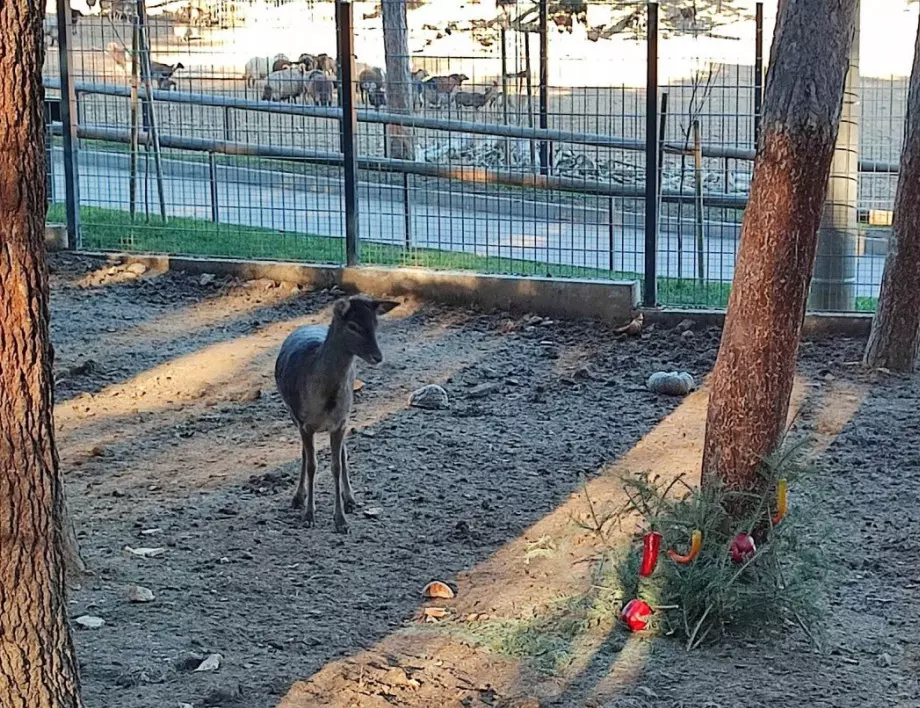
{"x":307,"y":475}
{"x":336,"y":442}
{"x":348,"y":496}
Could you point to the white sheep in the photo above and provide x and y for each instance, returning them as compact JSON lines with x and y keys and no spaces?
{"x":285,"y":85}
{"x":257,"y":69}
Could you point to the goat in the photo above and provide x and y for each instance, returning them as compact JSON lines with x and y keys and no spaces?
{"x":319,"y":88}
{"x":124,"y":10}
{"x":285,"y":85}
{"x":418,"y":88}
{"x":315,"y":375}
{"x":438,"y":87}
{"x":471,"y":99}
{"x":163,"y":73}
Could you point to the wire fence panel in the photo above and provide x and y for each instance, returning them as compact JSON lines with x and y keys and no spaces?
{"x":503,"y":136}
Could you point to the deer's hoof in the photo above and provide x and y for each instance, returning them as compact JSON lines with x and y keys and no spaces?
{"x":341,"y":526}
{"x":297,"y":502}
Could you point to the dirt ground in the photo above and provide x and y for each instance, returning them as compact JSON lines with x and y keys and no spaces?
{"x":172,"y":437}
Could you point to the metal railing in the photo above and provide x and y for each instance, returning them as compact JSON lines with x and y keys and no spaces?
{"x":494,"y":188}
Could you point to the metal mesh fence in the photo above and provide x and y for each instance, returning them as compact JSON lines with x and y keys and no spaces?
{"x":497,"y":136}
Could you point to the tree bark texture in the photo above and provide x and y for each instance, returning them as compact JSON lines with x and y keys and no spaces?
{"x":895,"y":339}
{"x":399,"y":76}
{"x":752,"y":380}
{"x":37,"y":664}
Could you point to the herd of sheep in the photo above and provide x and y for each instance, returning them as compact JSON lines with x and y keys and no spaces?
{"x":316,"y":78}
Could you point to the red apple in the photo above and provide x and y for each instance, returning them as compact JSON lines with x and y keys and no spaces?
{"x":635,"y":614}
{"x":742,"y":548}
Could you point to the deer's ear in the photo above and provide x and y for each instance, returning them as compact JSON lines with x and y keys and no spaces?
{"x":384,"y":306}
{"x":341,"y":307}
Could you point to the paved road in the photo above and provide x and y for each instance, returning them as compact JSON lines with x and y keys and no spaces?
{"x":294,"y":204}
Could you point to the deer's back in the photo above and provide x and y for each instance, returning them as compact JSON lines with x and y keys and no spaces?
{"x":317,"y":404}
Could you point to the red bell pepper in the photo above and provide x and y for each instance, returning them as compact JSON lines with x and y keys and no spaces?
{"x":635,"y":614}
{"x":651,"y":544}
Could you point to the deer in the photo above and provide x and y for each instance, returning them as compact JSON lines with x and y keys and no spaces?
{"x":315,"y":375}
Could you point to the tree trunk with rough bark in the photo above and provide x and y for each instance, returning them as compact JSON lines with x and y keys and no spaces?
{"x":399,"y":76}
{"x":895,"y":339}
{"x":37,"y":664}
{"x":752,"y":380}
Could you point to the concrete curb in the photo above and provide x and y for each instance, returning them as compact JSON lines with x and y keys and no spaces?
{"x":611,"y":301}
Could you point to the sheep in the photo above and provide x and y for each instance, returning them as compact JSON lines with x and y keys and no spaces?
{"x":50,"y":27}
{"x":256,"y":69}
{"x":377,"y":96}
{"x":281,"y":62}
{"x":315,"y":375}
{"x":285,"y":85}
{"x":327,"y":64}
{"x":319,"y":88}
{"x":370,"y":79}
{"x":307,"y":61}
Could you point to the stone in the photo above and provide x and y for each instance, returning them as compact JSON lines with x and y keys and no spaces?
{"x":139,"y":594}
{"x":431,"y":397}
{"x":483,"y":390}
{"x":671,"y":383}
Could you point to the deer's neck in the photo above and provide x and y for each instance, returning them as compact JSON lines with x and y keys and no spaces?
{"x":333,"y":362}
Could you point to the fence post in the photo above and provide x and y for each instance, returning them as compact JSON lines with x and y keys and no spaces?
{"x":650,"y":286}
{"x":407,"y":211}
{"x":344,"y":19}
{"x":212,"y":172}
{"x":69,"y":124}
{"x":544,"y":81}
{"x":758,"y":70}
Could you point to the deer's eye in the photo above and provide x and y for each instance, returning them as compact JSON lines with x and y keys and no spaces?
{"x":353,"y":327}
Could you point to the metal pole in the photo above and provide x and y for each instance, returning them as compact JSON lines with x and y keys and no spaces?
{"x":533,"y":147}
{"x":144,"y":37}
{"x":69,"y":123}
{"x":504,"y":42}
{"x":344,"y":23}
{"x":212,"y":171}
{"x":662,"y":128}
{"x":758,"y":71}
{"x":49,"y":157}
{"x":610,"y":232}
{"x":544,"y":80}
{"x":407,"y":211}
{"x":650,"y":284}
{"x":833,"y":287}
{"x":698,"y":202}
{"x":132,"y":179}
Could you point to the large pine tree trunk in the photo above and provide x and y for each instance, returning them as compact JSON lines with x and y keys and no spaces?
{"x":399,"y":76}
{"x":895,"y":339}
{"x":37,"y":665}
{"x":752,"y":380}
